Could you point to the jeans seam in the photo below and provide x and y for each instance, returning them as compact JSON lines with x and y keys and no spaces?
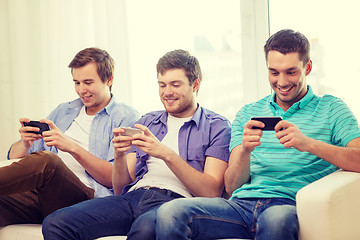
{"x":218,"y":219}
{"x":258,"y":204}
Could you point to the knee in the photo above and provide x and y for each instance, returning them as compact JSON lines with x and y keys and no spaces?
{"x":46,"y":158}
{"x":143,"y":229}
{"x":50,"y":224}
{"x":171,"y":210}
{"x":49,"y":160}
{"x":279,"y":219}
{"x":57,"y":226}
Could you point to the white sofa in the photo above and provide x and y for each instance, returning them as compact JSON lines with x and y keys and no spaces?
{"x":327,"y":209}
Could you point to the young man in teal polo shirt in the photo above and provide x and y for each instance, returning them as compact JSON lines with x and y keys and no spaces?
{"x":317,"y":136}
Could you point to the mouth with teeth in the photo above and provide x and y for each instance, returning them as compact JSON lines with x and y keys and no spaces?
{"x":86,"y":99}
{"x":285,"y":91}
{"x":170,"y":101}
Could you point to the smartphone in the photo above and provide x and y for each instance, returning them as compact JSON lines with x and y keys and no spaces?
{"x":131,"y":131}
{"x":43,"y":126}
{"x":269,"y":122}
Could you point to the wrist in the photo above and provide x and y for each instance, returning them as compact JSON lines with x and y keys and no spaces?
{"x":168,"y":157}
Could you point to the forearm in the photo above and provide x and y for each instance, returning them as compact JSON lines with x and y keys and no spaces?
{"x":98,"y":168}
{"x":347,"y":158}
{"x":200,"y":184}
{"x":120,"y":175}
{"x":18,"y":150}
{"x":238,"y":171}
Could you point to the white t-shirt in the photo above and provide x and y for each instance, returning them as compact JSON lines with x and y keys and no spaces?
{"x":78,"y":132}
{"x":159,"y":175}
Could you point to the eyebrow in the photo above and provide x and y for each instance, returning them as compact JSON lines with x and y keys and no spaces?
{"x":86,"y":80}
{"x":174,"y":81}
{"x":289,"y":69}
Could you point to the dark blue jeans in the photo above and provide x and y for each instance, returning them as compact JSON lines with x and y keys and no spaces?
{"x":214,"y":218}
{"x":132,"y":214}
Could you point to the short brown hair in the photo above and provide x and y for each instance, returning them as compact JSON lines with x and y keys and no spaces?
{"x":180,"y":59}
{"x":104,"y":62}
{"x":287,"y":41}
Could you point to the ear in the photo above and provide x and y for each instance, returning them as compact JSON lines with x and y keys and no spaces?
{"x":308,"y":68}
{"x":109,"y":82}
{"x":196,"y":85}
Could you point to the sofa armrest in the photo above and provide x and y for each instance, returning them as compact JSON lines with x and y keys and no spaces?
{"x":329,"y":207}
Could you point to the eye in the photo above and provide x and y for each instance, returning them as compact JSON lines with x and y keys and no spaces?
{"x":291,"y":72}
{"x":273,"y":73}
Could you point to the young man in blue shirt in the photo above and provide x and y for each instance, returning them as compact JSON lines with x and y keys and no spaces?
{"x":183,"y":152}
{"x":317,"y":136}
{"x":73,"y":161}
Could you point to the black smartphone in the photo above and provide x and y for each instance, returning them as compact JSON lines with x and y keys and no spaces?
{"x":43,"y":126}
{"x":269,"y":122}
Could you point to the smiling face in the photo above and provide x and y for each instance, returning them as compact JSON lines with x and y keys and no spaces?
{"x":92,"y":91}
{"x":176,"y":93}
{"x":287,"y":77}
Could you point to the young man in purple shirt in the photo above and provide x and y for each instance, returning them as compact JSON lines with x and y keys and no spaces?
{"x":182,"y":152}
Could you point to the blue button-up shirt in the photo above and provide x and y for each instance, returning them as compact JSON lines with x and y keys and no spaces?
{"x":205,"y":134}
{"x":100,"y":139}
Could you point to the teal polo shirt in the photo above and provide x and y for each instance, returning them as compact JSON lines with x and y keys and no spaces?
{"x":279,"y":172}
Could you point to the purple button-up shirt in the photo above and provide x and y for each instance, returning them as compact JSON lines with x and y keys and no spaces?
{"x":206,"y":134}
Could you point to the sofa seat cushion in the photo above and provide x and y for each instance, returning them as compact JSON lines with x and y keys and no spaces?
{"x":21,"y":232}
{"x":33,"y":232}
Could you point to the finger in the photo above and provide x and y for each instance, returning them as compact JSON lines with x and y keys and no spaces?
{"x":118,"y":131}
{"x":144,"y":129}
{"x":280,"y":133}
{"x":254,"y":124}
{"x":22,"y":120}
{"x":281,"y":125}
{"x":29,"y":131}
{"x":50,"y":123}
{"x":123,"y":149}
{"x":120,"y":140}
{"x":31,"y":137}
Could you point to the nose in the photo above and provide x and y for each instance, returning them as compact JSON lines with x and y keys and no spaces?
{"x":82,"y":88}
{"x":168,"y":91}
{"x":282,"y":81}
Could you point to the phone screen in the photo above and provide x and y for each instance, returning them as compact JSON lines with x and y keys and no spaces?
{"x":270,"y":122}
{"x":43,"y":126}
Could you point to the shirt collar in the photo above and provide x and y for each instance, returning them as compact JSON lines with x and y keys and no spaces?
{"x":196,"y":117}
{"x":299,"y":104}
{"x":111,"y":105}
{"x":108,"y":109}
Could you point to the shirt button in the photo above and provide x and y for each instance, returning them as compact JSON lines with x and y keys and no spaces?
{"x":162,"y":132}
{"x":197,"y":157}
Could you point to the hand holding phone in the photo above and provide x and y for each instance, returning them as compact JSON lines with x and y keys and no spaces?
{"x":43,"y":126}
{"x":270,"y":122}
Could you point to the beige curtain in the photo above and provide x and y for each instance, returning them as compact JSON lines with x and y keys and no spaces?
{"x":38,"y":40}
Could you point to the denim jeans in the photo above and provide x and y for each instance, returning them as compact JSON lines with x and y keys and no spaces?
{"x":214,"y":218}
{"x":132,"y":214}
{"x":37,"y":185}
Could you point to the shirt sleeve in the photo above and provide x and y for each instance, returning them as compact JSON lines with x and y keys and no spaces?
{"x":220,"y":139}
{"x":344,"y":124}
{"x":237,"y":129}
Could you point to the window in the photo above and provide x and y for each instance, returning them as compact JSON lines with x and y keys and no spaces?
{"x":213,"y":31}
{"x":330,"y":28}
